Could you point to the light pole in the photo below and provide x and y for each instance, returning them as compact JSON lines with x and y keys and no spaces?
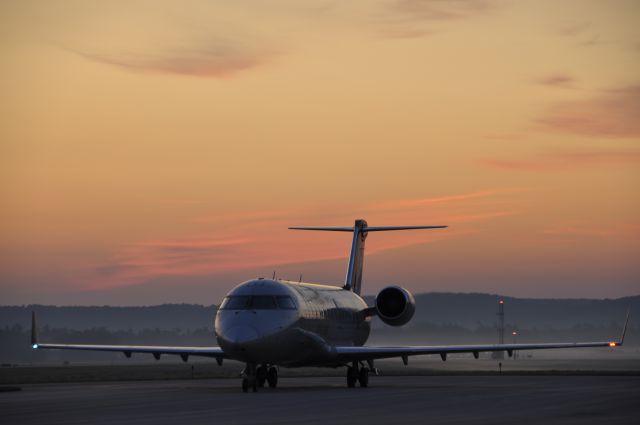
{"x":499,"y":355}
{"x":515,"y":337}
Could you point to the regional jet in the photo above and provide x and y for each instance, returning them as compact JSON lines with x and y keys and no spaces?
{"x":271,"y":323}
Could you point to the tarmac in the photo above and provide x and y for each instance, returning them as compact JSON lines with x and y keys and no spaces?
{"x":497,"y":399}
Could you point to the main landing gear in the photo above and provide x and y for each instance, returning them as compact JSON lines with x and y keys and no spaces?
{"x":255,"y":377}
{"x":357,"y":373}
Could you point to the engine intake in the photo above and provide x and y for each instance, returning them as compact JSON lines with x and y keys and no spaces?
{"x":395,"y":305}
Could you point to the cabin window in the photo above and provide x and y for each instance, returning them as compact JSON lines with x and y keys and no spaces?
{"x":286,"y":303}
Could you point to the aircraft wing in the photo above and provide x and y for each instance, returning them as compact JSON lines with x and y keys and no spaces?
{"x":157,"y":351}
{"x":348,"y":353}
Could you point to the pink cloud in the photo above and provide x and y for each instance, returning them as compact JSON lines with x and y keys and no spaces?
{"x":250,"y":240}
{"x":612,"y":113}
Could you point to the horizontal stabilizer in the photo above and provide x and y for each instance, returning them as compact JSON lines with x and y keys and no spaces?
{"x":384,"y":228}
{"x":367,"y":229}
{"x":360,"y":230}
{"x":328,"y":229}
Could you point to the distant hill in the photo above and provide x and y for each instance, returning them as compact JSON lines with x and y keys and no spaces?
{"x":441,"y":318}
{"x":473,"y":310}
{"x":466,"y":310}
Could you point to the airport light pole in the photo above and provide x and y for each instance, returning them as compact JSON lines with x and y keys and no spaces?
{"x":499,"y":355}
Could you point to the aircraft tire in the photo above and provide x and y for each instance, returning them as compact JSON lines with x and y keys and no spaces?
{"x":272,"y":377}
{"x":261,"y":376}
{"x":352,"y":377}
{"x":363,"y":377}
{"x":245,"y":385}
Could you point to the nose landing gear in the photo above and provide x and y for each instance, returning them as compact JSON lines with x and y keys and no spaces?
{"x":255,"y":377}
{"x":249,"y":378}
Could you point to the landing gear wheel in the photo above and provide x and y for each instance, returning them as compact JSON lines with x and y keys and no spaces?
{"x":363,"y":377}
{"x":272,"y":377}
{"x":261,"y":375}
{"x":245,"y":385}
{"x":352,"y":377}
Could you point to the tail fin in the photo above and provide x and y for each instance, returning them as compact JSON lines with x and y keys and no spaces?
{"x":360,"y":230}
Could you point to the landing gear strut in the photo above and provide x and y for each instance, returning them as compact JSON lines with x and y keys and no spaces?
{"x":249,"y":378}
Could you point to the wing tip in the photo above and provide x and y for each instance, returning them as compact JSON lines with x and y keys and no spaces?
{"x":624,"y":328}
{"x":34,"y":330}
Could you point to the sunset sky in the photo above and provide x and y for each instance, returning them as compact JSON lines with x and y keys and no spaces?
{"x":157,"y":151}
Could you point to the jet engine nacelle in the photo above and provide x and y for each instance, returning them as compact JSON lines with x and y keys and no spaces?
{"x":395,"y":305}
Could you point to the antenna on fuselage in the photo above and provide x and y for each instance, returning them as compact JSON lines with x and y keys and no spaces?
{"x":360,"y":230}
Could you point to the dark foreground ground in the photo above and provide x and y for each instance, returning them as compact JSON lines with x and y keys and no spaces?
{"x":493,"y":399}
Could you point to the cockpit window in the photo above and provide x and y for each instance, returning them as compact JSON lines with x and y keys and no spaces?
{"x":257,"y":302}
{"x":236,"y":303}
{"x":262,"y":302}
{"x":285,"y":303}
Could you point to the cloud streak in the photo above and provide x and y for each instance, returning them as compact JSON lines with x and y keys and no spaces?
{"x":572,"y":233}
{"x":416,"y":18}
{"x":557,"y":80}
{"x":440,"y":10}
{"x":613,"y":113}
{"x":219,"y":59}
{"x":564,"y":160}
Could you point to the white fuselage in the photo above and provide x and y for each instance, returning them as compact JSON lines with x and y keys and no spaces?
{"x":289,"y":323}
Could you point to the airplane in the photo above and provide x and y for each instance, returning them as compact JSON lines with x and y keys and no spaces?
{"x":271,"y":323}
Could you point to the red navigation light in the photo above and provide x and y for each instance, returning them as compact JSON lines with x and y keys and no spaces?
{"x":612,"y":344}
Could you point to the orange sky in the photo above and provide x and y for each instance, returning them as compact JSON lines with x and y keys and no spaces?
{"x":156,"y":151}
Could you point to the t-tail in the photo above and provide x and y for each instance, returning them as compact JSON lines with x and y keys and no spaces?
{"x":360,"y":230}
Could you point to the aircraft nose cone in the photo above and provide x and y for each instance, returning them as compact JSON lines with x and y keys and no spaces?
{"x":241,"y":334}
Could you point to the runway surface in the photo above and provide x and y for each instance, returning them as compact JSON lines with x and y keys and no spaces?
{"x":389,"y":400}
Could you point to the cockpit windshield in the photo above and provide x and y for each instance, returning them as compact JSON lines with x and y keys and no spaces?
{"x":258,"y":302}
{"x":285,"y":303}
{"x":235,"y":303}
{"x":262,"y":302}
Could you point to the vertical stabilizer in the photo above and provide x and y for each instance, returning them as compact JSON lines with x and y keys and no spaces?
{"x":353,"y":281}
